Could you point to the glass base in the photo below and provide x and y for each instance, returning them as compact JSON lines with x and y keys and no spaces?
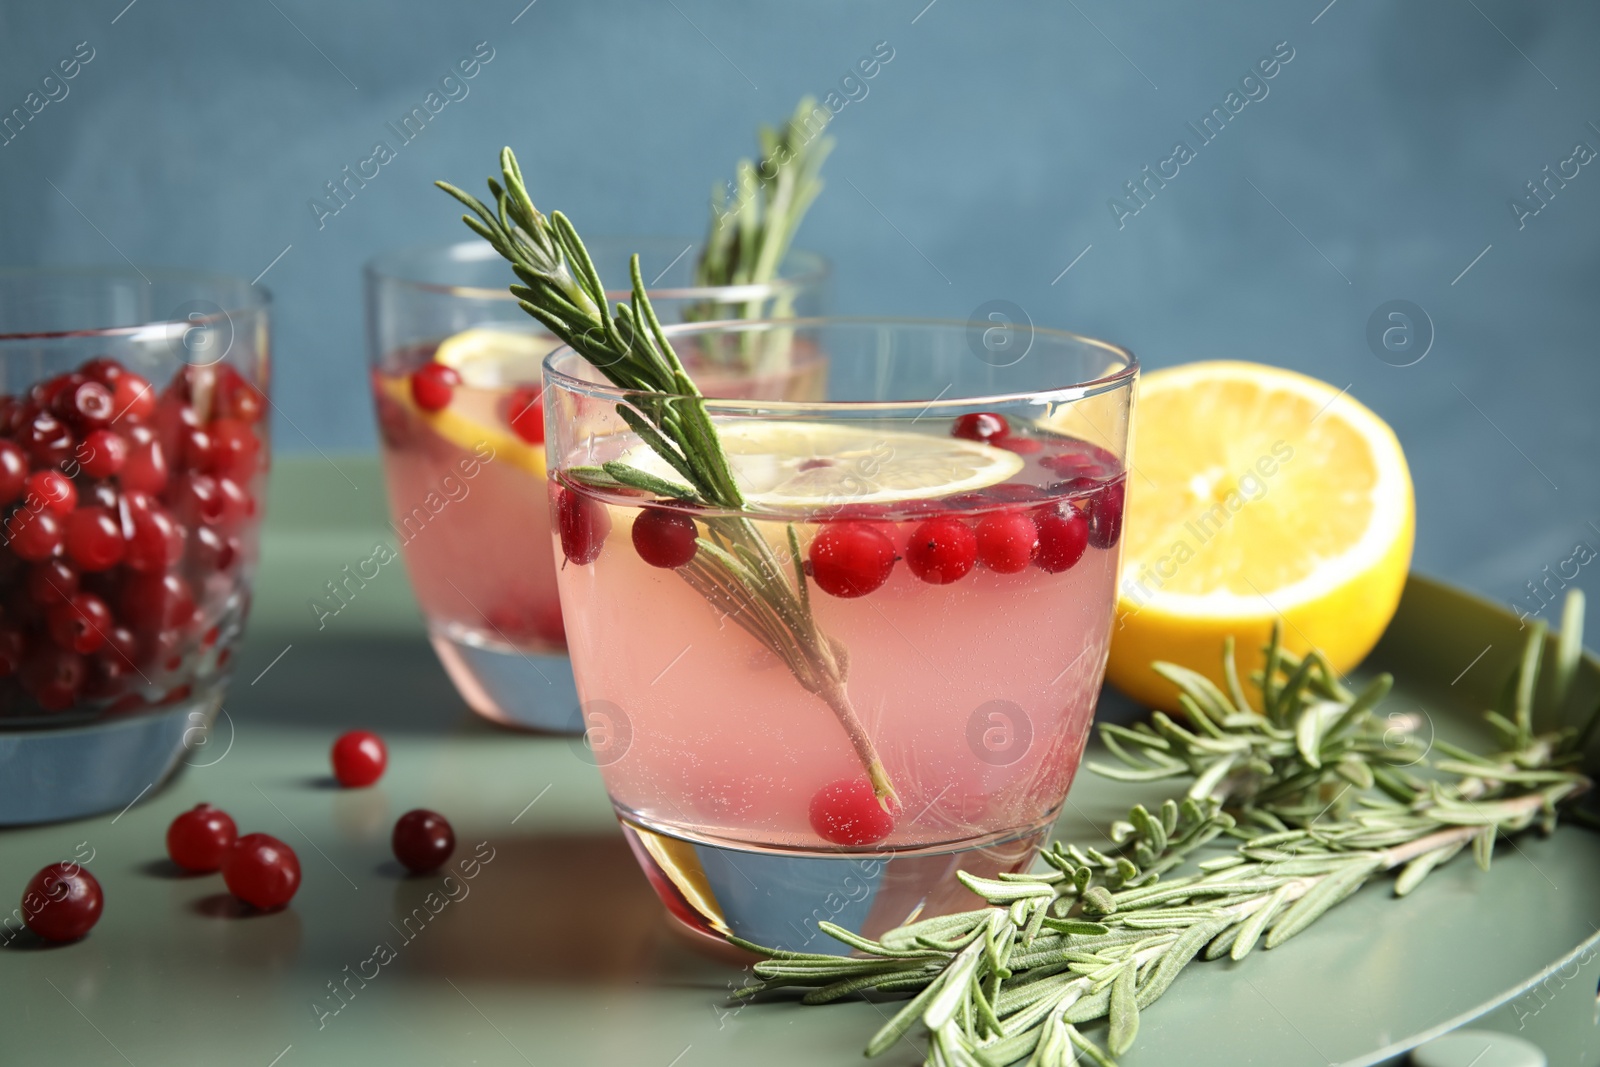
{"x":504,"y":684}
{"x":48,"y":775}
{"x":777,"y":898}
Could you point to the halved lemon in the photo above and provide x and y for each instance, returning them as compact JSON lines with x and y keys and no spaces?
{"x":806,"y":465}
{"x":489,"y":360}
{"x":1256,"y":494}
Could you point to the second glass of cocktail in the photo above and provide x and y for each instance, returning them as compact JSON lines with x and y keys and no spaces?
{"x":882,"y":668}
{"x":455,"y":382}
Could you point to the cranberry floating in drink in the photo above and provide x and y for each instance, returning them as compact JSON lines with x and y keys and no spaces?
{"x":133,"y":456}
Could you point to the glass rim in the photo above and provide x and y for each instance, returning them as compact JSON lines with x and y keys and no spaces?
{"x":1067,"y":391}
{"x":814,"y":269}
{"x":260,"y":299}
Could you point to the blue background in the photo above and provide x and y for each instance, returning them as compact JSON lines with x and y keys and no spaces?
{"x":978,"y":166}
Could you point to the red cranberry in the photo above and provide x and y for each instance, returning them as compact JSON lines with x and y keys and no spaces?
{"x":133,"y":398}
{"x":433,"y":386}
{"x":221,"y":502}
{"x":102,"y":454}
{"x":197,"y":449}
{"x":983,"y":426}
{"x":175,"y":421}
{"x":1007,"y":541}
{"x":121,"y":645}
{"x":146,"y":466}
{"x":212,"y":551}
{"x":1022,"y":446}
{"x":527,"y":413}
{"x":34,"y":535}
{"x":240,"y":400}
{"x":51,"y":582}
{"x":183,"y":386}
{"x":584,"y":524}
{"x":54,"y":676}
{"x":199,"y":839}
{"x":941,"y":551}
{"x":423,"y":840}
{"x":234,"y":449}
{"x":664,"y":538}
{"x":102,"y":369}
{"x":1105,"y":515}
{"x":261,"y":870}
{"x":847,"y":812}
{"x":62,"y":902}
{"x":236,"y":504}
{"x":51,"y":489}
{"x":153,"y":603}
{"x":157,"y":541}
{"x":88,"y":405}
{"x":106,"y":676}
{"x":99,"y":495}
{"x":1063,"y":534}
{"x":94,"y":539}
{"x":47,"y":440}
{"x":80,"y":624}
{"x":850,"y":559}
{"x":56,"y":394}
{"x":13,"y":471}
{"x":359,"y":758}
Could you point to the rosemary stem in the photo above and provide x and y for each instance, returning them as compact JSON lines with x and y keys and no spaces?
{"x":834,"y":695}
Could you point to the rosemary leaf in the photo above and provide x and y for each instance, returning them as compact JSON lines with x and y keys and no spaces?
{"x":1123,"y":1010}
{"x":635,"y":478}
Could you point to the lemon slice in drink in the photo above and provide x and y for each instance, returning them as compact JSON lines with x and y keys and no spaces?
{"x":488,"y":357}
{"x":1256,"y":493}
{"x":808,"y":465}
{"x":489,"y":361}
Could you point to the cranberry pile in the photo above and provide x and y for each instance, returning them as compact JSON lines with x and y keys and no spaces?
{"x":1068,"y":498}
{"x":126,"y":514}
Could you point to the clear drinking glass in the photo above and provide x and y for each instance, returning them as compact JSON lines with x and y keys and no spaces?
{"x":133,"y":460}
{"x":466,"y":482}
{"x":956,"y":504}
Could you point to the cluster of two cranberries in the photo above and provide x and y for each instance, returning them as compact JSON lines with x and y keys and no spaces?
{"x":433,"y":386}
{"x":662,"y":537}
{"x":115,"y":500}
{"x":422,"y":839}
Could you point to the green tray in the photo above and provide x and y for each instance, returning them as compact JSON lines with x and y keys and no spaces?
{"x":557,"y":953}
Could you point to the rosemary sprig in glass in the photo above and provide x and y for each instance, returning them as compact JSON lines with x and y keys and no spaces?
{"x":750,"y":232}
{"x":1314,"y":783}
{"x":735,"y":568}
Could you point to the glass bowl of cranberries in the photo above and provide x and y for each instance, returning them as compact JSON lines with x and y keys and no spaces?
{"x":133,"y":460}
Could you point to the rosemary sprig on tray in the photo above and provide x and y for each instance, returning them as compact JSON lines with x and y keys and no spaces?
{"x":735,"y":568}
{"x":1322,"y":796}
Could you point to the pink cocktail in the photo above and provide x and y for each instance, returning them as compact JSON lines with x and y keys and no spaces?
{"x":902,"y":684}
{"x":465,"y":463}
